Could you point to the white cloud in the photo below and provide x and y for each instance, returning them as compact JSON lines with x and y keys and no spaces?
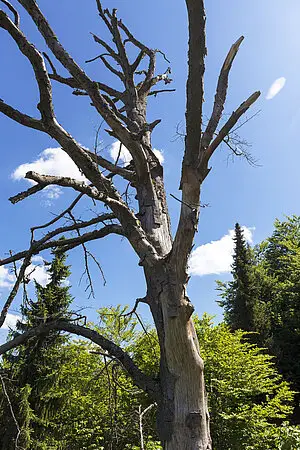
{"x":10,"y":321}
{"x":159,"y":155}
{"x":216,"y":256}
{"x":6,"y":278}
{"x":52,"y":161}
{"x":275,"y":88}
{"x":35,"y":271}
{"x":125,"y":157}
{"x":52,"y":192}
{"x":38,"y":271}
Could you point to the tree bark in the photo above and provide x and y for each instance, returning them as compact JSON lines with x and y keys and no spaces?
{"x":190,"y":427}
{"x":183,"y":419}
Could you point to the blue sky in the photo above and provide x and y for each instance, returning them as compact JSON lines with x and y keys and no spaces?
{"x":235,"y":191}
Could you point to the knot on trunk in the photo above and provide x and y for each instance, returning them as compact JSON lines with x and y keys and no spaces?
{"x":193,"y":422}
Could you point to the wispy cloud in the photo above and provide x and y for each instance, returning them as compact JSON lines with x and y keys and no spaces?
{"x":125,"y":156}
{"x":275,"y":87}
{"x":216,"y":256}
{"x":52,"y":161}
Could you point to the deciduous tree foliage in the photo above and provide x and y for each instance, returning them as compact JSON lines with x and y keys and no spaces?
{"x":99,"y":404}
{"x":179,"y":391}
{"x":249,"y":401}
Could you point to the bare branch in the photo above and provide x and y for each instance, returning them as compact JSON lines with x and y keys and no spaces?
{"x":159,"y":91}
{"x":194,"y":88}
{"x":132,"y":228}
{"x":11,"y":409}
{"x":24,"y":194}
{"x":190,"y":176}
{"x":98,"y":265}
{"x":137,"y":61}
{"x":102,"y":15}
{"x":162,"y":77}
{"x":143,"y":381}
{"x":111,"y":52}
{"x":149,"y":79}
{"x":53,"y":221}
{"x":132,"y":39}
{"x":112,"y":167}
{"x":81,"y":186}
{"x":93,"y":59}
{"x":14,"y":11}
{"x":14,"y":291}
{"x":47,"y":180}
{"x":220,"y":96}
{"x":235,"y":116}
{"x":91,"y":87}
{"x":20,"y":117}
{"x":72,"y":83}
{"x":86,"y":258}
{"x":111,"y":68}
{"x":136,"y":304}
{"x":47,"y":57}
{"x":239,"y":149}
{"x":45,"y":105}
{"x":123,"y":59}
{"x":141,"y":414}
{"x":66,"y":244}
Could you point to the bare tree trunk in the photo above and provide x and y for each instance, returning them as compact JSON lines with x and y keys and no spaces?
{"x":183,"y":420}
{"x":190,"y":426}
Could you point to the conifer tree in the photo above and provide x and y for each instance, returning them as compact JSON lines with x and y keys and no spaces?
{"x":238,"y":296}
{"x":34,"y":368}
{"x":264,"y":296}
{"x":279,"y":262}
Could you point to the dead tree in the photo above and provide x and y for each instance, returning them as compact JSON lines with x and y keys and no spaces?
{"x":179,"y":391}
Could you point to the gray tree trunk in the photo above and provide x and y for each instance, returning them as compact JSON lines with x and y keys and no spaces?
{"x":183,"y":420}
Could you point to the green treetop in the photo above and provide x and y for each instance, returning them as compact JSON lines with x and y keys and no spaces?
{"x":238,"y":295}
{"x":35,"y":365}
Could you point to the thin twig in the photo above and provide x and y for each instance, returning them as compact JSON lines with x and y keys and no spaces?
{"x":50,"y":63}
{"x":181,"y":201}
{"x":11,"y":411}
{"x":14,"y":11}
{"x":61,"y":215}
{"x":141,"y":416}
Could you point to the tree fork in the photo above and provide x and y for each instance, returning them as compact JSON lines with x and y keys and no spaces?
{"x":183,"y":420}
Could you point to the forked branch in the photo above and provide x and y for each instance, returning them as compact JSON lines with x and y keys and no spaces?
{"x":233,"y":119}
{"x":199,"y":145}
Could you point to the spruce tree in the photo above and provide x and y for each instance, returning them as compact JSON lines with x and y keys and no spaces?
{"x":238,"y":296}
{"x":264,"y":296}
{"x":34,"y":368}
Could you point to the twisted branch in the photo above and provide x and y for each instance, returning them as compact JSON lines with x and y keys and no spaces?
{"x":142,"y":380}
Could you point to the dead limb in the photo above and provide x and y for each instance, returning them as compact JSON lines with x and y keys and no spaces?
{"x":143,"y":381}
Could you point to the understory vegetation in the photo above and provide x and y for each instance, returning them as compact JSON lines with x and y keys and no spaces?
{"x":60,"y":393}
